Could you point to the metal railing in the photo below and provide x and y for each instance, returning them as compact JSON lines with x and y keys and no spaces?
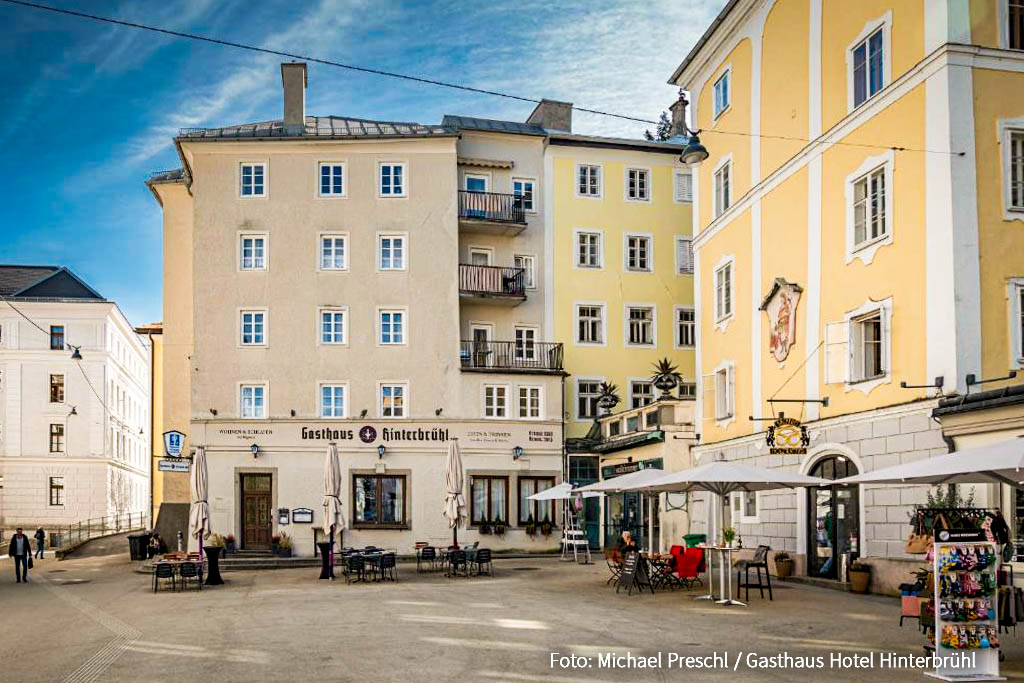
{"x":511,"y":355}
{"x":492,"y":280}
{"x":491,"y":206}
{"x":67,"y":536}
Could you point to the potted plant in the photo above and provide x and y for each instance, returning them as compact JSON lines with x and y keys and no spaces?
{"x":665,"y":376}
{"x":531,"y":526}
{"x":608,"y":398}
{"x":783,"y":565}
{"x":546,"y":526}
{"x":275,"y":542}
{"x":230,"y":544}
{"x":215,"y":541}
{"x":728,"y":534}
{"x":485,"y":526}
{"x":499,"y":526}
{"x":284,"y":545}
{"x":860,"y":576}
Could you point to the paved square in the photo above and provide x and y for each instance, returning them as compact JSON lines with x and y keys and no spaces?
{"x":94,"y":619}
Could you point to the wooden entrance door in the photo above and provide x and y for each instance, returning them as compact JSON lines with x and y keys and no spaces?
{"x":256,"y":512}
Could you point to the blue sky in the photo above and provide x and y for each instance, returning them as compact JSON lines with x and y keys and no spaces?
{"x":90,"y":109}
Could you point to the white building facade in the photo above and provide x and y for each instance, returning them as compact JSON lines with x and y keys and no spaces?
{"x":74,"y":433}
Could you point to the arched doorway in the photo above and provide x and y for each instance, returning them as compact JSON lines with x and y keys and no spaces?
{"x":833,"y":517}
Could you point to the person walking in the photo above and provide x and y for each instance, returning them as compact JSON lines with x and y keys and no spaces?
{"x":40,"y":537}
{"x":21,"y":550}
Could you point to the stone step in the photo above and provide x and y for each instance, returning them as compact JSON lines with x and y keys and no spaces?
{"x":237,"y":563}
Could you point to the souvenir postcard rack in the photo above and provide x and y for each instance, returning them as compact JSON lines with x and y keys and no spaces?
{"x":966,"y":603}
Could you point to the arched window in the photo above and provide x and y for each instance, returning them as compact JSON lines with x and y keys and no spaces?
{"x":833,"y":467}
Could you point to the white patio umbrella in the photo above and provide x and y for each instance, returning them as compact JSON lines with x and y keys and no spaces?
{"x":199,"y":511}
{"x":627,"y":482}
{"x":563,"y":491}
{"x":454,"y":480}
{"x":333,"y":518}
{"x":1001,"y":463}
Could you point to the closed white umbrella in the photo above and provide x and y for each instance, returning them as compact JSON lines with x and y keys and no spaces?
{"x":563,"y":491}
{"x":1001,"y":462}
{"x":333,"y":519}
{"x":199,"y":511}
{"x":454,"y":480}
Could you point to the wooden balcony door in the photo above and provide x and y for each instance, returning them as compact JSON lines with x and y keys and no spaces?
{"x":256,"y":511}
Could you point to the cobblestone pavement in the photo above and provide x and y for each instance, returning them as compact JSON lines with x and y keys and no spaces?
{"x":92,"y":618}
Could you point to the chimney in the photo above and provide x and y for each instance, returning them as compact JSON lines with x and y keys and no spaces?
{"x":293,"y":80}
{"x":552,"y":115}
{"x":679,"y":127}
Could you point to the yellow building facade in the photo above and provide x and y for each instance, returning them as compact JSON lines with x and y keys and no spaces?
{"x":858,"y":237}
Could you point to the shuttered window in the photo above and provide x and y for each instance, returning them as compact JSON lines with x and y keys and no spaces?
{"x":684,"y":256}
{"x":683,"y":186}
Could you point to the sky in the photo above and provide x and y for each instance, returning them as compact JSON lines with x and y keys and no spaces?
{"x":90,"y":109}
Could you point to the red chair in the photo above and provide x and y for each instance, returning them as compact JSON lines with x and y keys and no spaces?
{"x":690,"y":565}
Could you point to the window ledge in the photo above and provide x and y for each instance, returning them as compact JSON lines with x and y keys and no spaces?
{"x":865,"y":251}
{"x":866,"y":386}
{"x":725,"y":421}
{"x":382,"y":527}
{"x":722,"y":323}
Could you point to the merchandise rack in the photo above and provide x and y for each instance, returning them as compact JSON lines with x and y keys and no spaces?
{"x":966,"y":600}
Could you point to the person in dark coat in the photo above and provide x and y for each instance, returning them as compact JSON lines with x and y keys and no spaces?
{"x":40,"y":537}
{"x":21,"y":550}
{"x":626,"y":544}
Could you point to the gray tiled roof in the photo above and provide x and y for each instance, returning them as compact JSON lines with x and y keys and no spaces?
{"x":319,"y":126}
{"x":13,"y":279}
{"x":166,"y":176}
{"x":493,"y":125}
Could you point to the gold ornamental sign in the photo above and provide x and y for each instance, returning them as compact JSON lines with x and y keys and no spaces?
{"x":787,"y":436}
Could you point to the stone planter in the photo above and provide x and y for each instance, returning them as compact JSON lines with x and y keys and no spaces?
{"x":784,"y":568}
{"x":859,"y":580}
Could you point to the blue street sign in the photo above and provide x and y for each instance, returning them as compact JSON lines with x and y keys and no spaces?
{"x":174,"y":441}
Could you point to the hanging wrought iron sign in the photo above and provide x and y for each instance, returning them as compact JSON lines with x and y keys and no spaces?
{"x":787,"y":436}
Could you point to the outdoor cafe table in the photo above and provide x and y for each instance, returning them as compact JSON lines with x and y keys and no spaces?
{"x":724,"y":575}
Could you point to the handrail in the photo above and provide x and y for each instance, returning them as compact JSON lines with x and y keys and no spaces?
{"x":66,"y":536}
{"x":491,"y":206}
{"x":511,"y":355}
{"x":492,"y":280}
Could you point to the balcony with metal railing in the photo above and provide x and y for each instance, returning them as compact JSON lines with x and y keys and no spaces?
{"x":523,"y":356}
{"x":492,"y":284}
{"x":491,"y":213}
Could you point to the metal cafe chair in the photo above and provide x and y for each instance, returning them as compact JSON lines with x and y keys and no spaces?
{"x":187,"y":571}
{"x":425,"y":556}
{"x":355,"y":568}
{"x":388,"y":567}
{"x":457,"y":561}
{"x":164,"y":572}
{"x":758,"y":562}
{"x":483,"y":558}
{"x":614,"y":562}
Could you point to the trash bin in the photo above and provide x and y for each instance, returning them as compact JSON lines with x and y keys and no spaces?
{"x":693,"y":540}
{"x":138,"y":545}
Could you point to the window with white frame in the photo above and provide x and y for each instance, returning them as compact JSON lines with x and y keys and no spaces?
{"x":638,"y":252}
{"x":57,"y":388}
{"x":253,"y":180}
{"x":252,"y":252}
{"x":723,"y":291}
{"x":495,"y":400}
{"x":590,"y":324}
{"x":333,"y":252}
{"x":687,"y":390}
{"x":588,"y":249}
{"x":869,"y":208}
{"x":724,"y":393}
{"x":1014,"y":174}
{"x":392,"y":180}
{"x":686,"y":327}
{"x":640,"y":325}
{"x":1015,"y":24}
{"x":56,"y":438}
{"x":682,"y":185}
{"x":744,"y":507}
{"x":392,"y":327}
{"x":333,"y":326}
{"x":523,"y":189}
{"x":333,"y":401}
{"x":253,"y":328}
{"x":641,"y":393}
{"x":529,"y":403}
{"x":393,"y":400}
{"x":252,"y":401}
{"x":867,"y":347}
{"x":1016,"y":298}
{"x":391,"y":252}
{"x":332,"y":180}
{"x":588,"y":391}
{"x":723,"y":188}
{"x":722,"y":94}
{"x":528,"y":263}
{"x":526,"y":344}
{"x":684,"y":256}
{"x":638,"y":184}
{"x":588,"y":180}
{"x":868,"y":64}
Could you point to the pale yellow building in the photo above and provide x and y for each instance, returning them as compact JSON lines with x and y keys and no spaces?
{"x":857,"y":230}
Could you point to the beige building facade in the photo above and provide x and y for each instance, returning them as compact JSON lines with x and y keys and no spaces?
{"x":324,"y":279}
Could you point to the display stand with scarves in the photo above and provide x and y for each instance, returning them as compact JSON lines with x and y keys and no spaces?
{"x":965,"y":571}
